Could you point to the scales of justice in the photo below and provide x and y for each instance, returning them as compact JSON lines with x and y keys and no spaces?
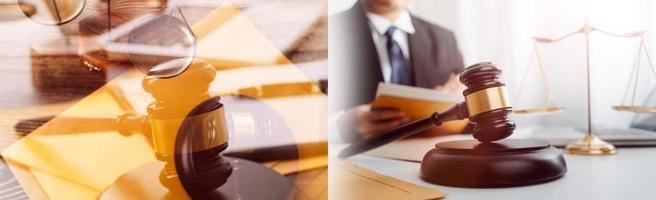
{"x":590,"y":144}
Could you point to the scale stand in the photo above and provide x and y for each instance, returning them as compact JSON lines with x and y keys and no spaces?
{"x":590,"y":144}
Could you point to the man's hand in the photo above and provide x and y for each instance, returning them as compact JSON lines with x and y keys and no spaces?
{"x":368,"y":122}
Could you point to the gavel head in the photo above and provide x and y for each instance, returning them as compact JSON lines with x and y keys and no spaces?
{"x":487,"y":102}
{"x":175,"y":97}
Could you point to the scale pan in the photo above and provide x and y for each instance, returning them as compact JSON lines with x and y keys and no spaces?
{"x":538,"y":110}
{"x":637,"y":109}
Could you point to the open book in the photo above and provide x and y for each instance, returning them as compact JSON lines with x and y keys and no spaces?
{"x":417,"y":103}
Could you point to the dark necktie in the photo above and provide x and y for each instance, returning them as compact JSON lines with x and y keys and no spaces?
{"x":400,"y":66}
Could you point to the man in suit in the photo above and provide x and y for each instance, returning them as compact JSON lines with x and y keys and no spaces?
{"x":380,"y":41}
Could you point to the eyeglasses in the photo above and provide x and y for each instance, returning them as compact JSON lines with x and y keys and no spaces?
{"x":52,"y":12}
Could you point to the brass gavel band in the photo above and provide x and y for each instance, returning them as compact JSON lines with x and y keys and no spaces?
{"x":209,"y":131}
{"x":486,"y":100}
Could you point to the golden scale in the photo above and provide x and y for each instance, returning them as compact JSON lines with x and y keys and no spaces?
{"x":590,"y":144}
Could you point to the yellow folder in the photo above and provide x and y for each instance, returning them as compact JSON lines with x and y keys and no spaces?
{"x":349,"y":181}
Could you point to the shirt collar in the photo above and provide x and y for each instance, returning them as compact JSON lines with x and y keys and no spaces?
{"x":380,"y":24}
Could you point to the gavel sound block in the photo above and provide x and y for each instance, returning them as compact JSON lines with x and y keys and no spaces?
{"x":486,"y":162}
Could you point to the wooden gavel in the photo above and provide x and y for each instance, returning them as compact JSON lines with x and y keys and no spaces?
{"x":486,"y":105}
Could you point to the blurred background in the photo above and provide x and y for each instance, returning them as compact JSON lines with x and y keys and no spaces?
{"x":501,"y":31}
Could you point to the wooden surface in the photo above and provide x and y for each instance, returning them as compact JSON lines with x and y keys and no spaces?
{"x":21,"y":101}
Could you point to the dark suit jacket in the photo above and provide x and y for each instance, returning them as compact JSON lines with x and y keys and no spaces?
{"x":355,"y":69}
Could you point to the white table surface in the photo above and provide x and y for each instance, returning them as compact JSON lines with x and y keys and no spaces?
{"x":630,"y":174}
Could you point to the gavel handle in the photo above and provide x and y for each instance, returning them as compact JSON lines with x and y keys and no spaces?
{"x":459,"y":111}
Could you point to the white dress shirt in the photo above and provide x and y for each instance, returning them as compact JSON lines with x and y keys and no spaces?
{"x":379,"y":26}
